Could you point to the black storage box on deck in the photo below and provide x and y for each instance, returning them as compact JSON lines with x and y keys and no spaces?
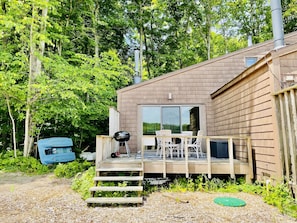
{"x":219,"y":149}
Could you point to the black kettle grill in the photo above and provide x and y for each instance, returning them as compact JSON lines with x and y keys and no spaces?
{"x":122,"y":136}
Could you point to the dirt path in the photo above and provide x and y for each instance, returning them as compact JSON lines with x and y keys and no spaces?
{"x":48,"y":199}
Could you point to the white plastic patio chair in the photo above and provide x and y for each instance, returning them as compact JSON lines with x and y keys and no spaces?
{"x":188,"y":138}
{"x":196,"y":146}
{"x":164,"y":138}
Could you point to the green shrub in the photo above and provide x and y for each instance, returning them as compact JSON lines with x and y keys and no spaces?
{"x":281,"y":197}
{"x":182,"y":185}
{"x":83,"y":182}
{"x":28,"y":165}
{"x":70,"y":169}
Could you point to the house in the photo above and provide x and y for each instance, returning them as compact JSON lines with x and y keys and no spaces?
{"x":229,"y":95}
{"x":244,"y":102}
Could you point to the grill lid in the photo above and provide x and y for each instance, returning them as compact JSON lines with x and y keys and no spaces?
{"x":121,"y":136}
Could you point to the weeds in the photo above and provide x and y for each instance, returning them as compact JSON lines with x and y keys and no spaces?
{"x":278,"y":195}
{"x":69,"y":170}
{"x":28,"y":165}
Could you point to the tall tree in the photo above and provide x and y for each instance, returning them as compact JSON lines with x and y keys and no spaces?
{"x":251,"y":18}
{"x":36,"y":44}
{"x":289,"y":8}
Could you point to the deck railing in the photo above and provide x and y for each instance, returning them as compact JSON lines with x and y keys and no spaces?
{"x":105,"y":146}
{"x":286,"y":107}
{"x":242,"y":150}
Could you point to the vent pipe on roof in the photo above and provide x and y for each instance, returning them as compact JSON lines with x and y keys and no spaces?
{"x":137,"y":77}
{"x":277,"y":23}
{"x":250,"y":40}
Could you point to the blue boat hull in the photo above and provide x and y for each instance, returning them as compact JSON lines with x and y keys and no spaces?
{"x":55,"y":150}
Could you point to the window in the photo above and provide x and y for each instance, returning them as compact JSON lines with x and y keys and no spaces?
{"x":176,"y":118}
{"x":170,"y":119}
{"x":151,"y":119}
{"x":249,"y":61}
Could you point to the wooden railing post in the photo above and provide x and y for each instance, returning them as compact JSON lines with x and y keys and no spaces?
{"x":231,"y":160}
{"x":208,"y":157}
{"x":164,"y":157}
{"x":250,"y":160}
{"x":99,"y":152}
{"x":185,"y":144}
{"x":284,"y":146}
{"x":294,"y":138}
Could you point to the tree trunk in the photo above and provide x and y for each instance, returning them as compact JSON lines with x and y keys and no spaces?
{"x":208,"y":29}
{"x":34,"y":71}
{"x":96,"y":36}
{"x":13,"y":127}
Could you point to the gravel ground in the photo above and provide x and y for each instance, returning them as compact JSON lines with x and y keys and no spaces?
{"x":48,"y":199}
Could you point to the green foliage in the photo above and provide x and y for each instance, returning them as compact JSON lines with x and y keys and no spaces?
{"x":28,"y":165}
{"x":115,"y":193}
{"x":83,"y":182}
{"x":182,"y":185}
{"x":281,"y":197}
{"x":69,"y":170}
{"x":289,"y":8}
{"x":80,"y":68}
{"x":278,"y":195}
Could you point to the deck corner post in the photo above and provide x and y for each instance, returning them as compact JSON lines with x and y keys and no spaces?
{"x":250,"y":158}
{"x":230,"y":150}
{"x":164,"y":158}
{"x":99,"y":155}
{"x":208,"y":157}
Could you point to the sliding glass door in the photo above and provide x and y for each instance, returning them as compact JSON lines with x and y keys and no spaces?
{"x":170,"y":118}
{"x":151,"y":119}
{"x":175,"y":118}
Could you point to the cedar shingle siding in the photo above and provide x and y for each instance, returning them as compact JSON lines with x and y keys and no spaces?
{"x":246,"y":106}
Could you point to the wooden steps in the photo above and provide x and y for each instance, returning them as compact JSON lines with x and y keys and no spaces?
{"x":119,"y":178}
{"x":112,"y":179}
{"x":119,"y":169}
{"x":114,"y":200}
{"x":117,"y":188}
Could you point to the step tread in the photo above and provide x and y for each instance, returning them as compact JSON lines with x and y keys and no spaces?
{"x":118,"y":169}
{"x":117,"y":188}
{"x":114,"y":200}
{"x":119,"y":178}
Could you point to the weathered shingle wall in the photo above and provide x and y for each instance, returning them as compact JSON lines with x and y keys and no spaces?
{"x":246,"y":109}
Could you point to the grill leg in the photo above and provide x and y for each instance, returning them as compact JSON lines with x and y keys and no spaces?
{"x":127,"y":149}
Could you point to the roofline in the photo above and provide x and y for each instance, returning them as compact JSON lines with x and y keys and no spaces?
{"x":242,"y":75}
{"x":259,"y":64}
{"x":192,"y":67}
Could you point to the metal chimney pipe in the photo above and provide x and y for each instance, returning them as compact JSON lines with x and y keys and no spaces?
{"x":136,"y":55}
{"x":277,"y":23}
{"x":250,"y":40}
{"x":137,"y":77}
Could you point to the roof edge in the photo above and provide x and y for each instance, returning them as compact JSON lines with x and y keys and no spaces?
{"x":194,"y":66}
{"x":244,"y":74}
{"x":264,"y":60}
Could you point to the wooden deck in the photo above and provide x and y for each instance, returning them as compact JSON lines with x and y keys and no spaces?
{"x":152,"y":164}
{"x":131,"y":169}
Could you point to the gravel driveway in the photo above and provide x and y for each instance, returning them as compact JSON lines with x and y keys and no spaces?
{"x":48,"y":199}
